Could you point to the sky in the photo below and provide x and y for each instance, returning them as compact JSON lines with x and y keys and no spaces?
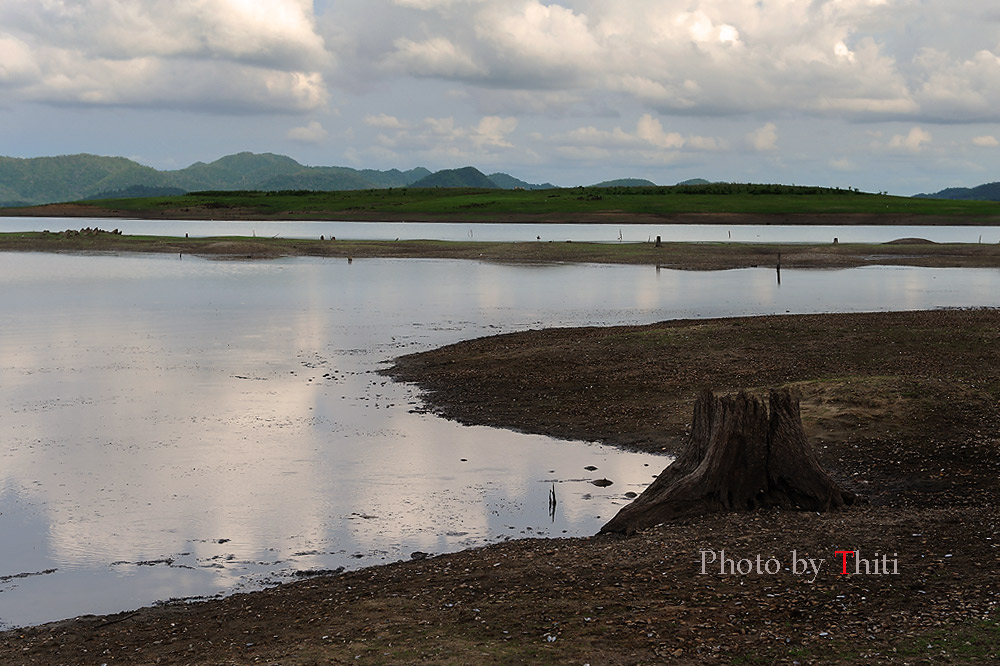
{"x":901,"y":96}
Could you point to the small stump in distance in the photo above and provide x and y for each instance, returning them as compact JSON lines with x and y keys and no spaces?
{"x":741,"y":455}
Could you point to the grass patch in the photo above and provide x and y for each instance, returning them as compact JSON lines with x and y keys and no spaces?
{"x":613,"y":204}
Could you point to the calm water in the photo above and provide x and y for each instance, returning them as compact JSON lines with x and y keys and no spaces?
{"x":609,"y":233}
{"x":176,"y":428}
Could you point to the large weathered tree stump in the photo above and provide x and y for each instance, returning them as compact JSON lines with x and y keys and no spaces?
{"x":739,"y":456}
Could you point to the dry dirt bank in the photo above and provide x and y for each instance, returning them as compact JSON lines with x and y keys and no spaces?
{"x":686,"y":256}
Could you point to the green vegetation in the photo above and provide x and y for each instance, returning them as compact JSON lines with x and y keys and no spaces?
{"x":508,"y":182}
{"x":614,"y":204}
{"x":987,"y":192}
{"x":26,"y":182}
{"x":626,"y":182}
{"x":269,"y":184}
{"x":464,"y":177}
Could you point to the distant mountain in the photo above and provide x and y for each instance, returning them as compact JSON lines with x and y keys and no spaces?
{"x":393,"y":177}
{"x":242,"y":171}
{"x":695,"y":181}
{"x":250,"y":171}
{"x":507,"y":182}
{"x":70,"y":177}
{"x":987,"y":192}
{"x":26,"y":182}
{"x":626,"y":182}
{"x":464,"y":177}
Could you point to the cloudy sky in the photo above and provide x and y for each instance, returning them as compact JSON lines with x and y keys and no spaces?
{"x":894,"y":95}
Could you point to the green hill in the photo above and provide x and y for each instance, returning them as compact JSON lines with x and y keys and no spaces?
{"x":626,"y":182}
{"x":70,"y":177}
{"x":464,"y":177}
{"x":243,"y":171}
{"x":508,"y":182}
{"x":393,"y":177}
{"x":317,"y":178}
{"x":987,"y":192}
{"x":26,"y":182}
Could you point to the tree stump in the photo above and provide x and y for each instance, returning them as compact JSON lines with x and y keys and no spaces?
{"x":740,"y":456}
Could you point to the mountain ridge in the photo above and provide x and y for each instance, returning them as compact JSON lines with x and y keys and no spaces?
{"x":984,"y":192}
{"x":61,"y":178}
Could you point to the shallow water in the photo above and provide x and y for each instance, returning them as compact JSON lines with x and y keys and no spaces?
{"x":455,"y":231}
{"x":177,"y":428}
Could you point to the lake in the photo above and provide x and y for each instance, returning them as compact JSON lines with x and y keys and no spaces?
{"x":177,"y":428}
{"x":456,"y":231}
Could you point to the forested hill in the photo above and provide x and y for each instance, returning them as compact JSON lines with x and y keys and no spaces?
{"x":33,"y":181}
{"x":987,"y":192}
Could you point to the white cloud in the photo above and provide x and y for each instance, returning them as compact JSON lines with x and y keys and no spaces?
{"x":444,"y":136}
{"x":216,"y":54}
{"x":217,"y":86}
{"x":764,"y":138}
{"x":493,"y":131}
{"x":649,"y":143}
{"x":432,"y":4}
{"x":987,"y":141}
{"x":276,"y":34}
{"x":841,"y":164}
{"x":433,"y":57}
{"x":314,"y":132}
{"x":701,"y":30}
{"x":17,"y":63}
{"x":860,"y":59}
{"x":383,"y":121}
{"x":533,"y":41}
{"x":650,"y":130}
{"x":960,"y":89}
{"x":849,"y":58}
{"x":913,"y":142}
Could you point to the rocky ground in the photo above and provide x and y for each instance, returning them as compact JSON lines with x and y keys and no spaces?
{"x":901,"y":407}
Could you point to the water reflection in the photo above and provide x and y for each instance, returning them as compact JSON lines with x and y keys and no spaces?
{"x":457,"y":231}
{"x":177,"y":428}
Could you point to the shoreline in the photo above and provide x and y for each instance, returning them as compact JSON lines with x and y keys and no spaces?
{"x":235,"y":210}
{"x":670,"y":255}
{"x":901,"y":408}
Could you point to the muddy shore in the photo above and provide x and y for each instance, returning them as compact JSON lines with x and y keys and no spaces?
{"x":679,"y":255}
{"x":901,"y":407}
